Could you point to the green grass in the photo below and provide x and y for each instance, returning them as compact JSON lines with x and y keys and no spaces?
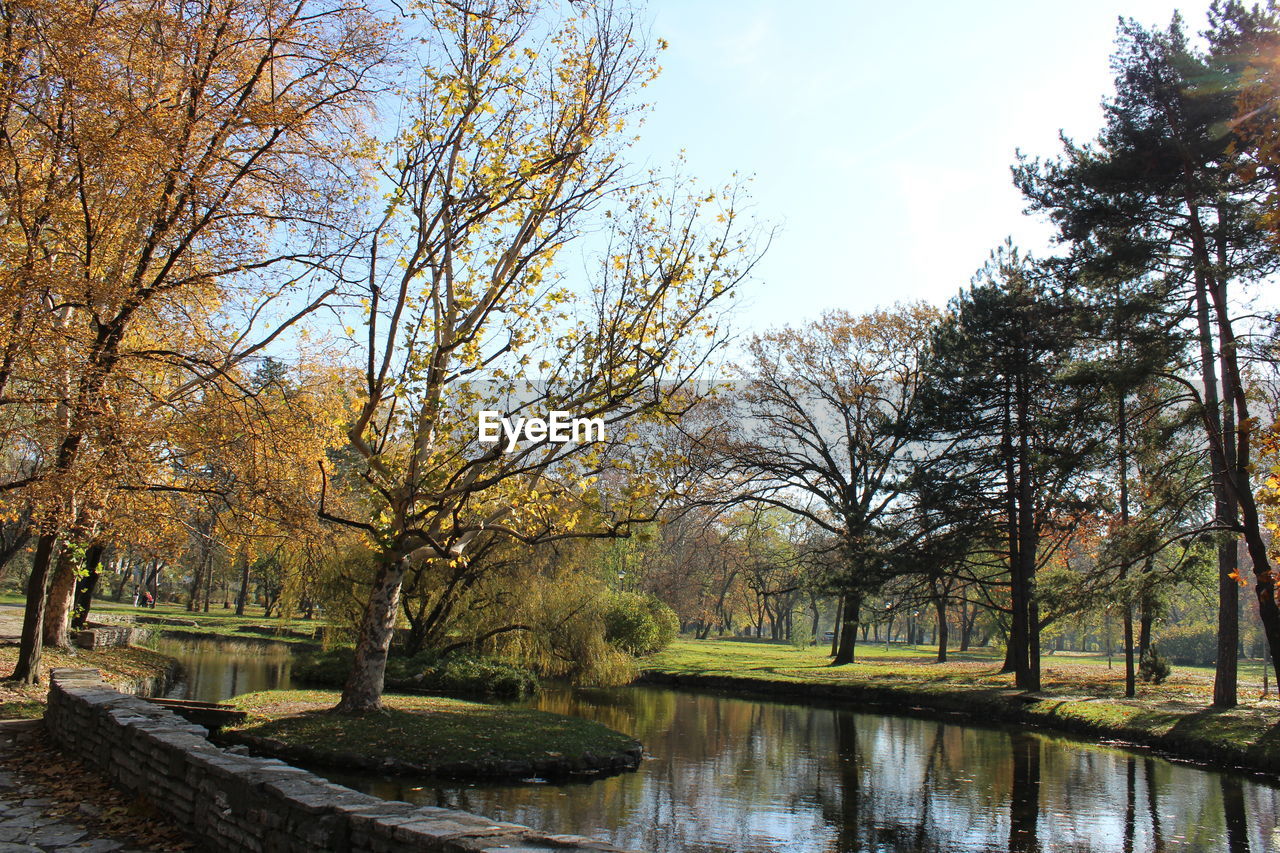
{"x":21,"y":709}
{"x":216,"y":623}
{"x":1079,"y":695}
{"x":118,"y":665}
{"x":1062,"y":671}
{"x":424,"y":730}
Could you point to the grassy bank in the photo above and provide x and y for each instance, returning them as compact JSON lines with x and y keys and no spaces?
{"x":1078,"y":695}
{"x":218,"y":623}
{"x":429,"y":736}
{"x":123,"y":666}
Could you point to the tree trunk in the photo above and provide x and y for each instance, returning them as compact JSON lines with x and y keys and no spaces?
{"x":58,"y":609}
{"x":817,"y":617}
{"x":1146,"y":613}
{"x":1130,"y":681}
{"x":242,"y":599}
{"x":940,"y":604}
{"x":1010,"y":654}
{"x":197,"y":578}
{"x":122,"y":569}
{"x":87,"y":586}
{"x":1236,"y":452}
{"x":835,"y":626}
{"x":31,"y":648}
{"x":1226,"y":682}
{"x":151,"y":582}
{"x":1027,"y":667}
{"x":1224,"y":685}
{"x":363,"y":691}
{"x":1122,"y":419}
{"x":1016,"y":647}
{"x":848,"y":630}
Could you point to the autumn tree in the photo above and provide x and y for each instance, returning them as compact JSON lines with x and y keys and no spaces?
{"x":511,"y":150}
{"x":823,"y":431}
{"x":172,"y":176}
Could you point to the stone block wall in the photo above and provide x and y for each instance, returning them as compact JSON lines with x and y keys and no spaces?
{"x":98,"y":636}
{"x":231,"y":802}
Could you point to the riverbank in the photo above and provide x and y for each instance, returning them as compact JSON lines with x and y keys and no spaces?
{"x":129,"y":668}
{"x":429,"y":736}
{"x":1077,"y":698}
{"x":172,"y":620}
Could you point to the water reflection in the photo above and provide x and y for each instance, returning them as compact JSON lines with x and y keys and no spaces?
{"x":735,"y":775}
{"x":214,"y":670}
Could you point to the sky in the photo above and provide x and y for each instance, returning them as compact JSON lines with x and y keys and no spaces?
{"x":879,"y":136}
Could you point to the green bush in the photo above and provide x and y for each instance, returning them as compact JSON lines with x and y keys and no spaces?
{"x":455,"y":675}
{"x":1190,"y":645}
{"x":1153,"y":668}
{"x":639,"y":624}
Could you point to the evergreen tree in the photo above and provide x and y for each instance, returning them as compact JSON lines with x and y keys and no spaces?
{"x":1023,"y":439}
{"x":1163,"y":190}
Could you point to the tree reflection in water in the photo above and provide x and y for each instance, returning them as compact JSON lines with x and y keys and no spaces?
{"x":728,"y":775}
{"x":1234,"y":814}
{"x":1024,"y":799}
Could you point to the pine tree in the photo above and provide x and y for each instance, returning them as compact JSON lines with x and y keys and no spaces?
{"x":1163,"y":190}
{"x":1023,"y":439}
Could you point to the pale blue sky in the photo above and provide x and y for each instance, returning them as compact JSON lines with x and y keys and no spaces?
{"x":880,"y":135}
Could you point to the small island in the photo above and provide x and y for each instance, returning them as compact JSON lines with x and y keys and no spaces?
{"x":430,"y":736}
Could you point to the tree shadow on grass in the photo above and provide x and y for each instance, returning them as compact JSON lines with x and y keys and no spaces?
{"x":1220,"y":733}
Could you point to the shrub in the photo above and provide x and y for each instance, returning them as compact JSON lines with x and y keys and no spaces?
{"x":1190,"y":645}
{"x":470,"y":675}
{"x":455,"y":675}
{"x":639,"y":624}
{"x":323,"y":669}
{"x":1152,"y":668}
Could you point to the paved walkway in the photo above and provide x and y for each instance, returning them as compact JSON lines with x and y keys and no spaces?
{"x":29,"y":822}
{"x":10,"y":623}
{"x":25,"y":828}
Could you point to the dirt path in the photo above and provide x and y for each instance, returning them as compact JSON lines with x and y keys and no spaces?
{"x":10,"y":623}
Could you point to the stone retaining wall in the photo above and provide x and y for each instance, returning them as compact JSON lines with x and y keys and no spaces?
{"x":231,"y":802}
{"x":98,"y":636}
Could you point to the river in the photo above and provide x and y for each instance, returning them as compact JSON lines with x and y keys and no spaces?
{"x":729,"y":775}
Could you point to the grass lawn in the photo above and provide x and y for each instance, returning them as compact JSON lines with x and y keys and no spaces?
{"x":1061,"y":672}
{"x":1080,"y":694}
{"x":121,"y":664}
{"x":427,"y":731}
{"x":216,"y":623}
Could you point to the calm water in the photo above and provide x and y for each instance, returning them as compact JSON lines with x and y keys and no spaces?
{"x":737,"y":775}
{"x":214,"y":670}
{"x":741,"y":776}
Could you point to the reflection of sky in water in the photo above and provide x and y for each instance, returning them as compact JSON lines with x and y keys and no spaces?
{"x":732,"y":775}
{"x":728,"y":775}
